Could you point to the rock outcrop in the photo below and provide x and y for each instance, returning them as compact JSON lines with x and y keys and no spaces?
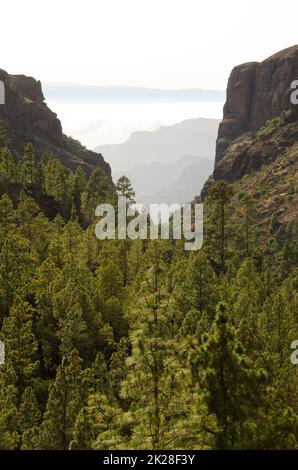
{"x":27,"y":118}
{"x":256,"y":93}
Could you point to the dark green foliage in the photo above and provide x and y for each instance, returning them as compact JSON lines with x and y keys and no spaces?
{"x":124,"y":188}
{"x":126,"y":344}
{"x":98,"y":191}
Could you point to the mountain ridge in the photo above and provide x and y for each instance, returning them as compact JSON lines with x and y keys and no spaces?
{"x":165,"y":144}
{"x":27,"y":118}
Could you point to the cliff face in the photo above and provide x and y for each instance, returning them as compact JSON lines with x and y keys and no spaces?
{"x":256,"y":93}
{"x":249,"y":146}
{"x":27,"y":118}
{"x":249,"y":152}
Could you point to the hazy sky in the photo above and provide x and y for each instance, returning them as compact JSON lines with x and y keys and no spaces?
{"x":156,"y":43}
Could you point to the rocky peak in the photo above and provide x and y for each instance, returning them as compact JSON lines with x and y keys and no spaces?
{"x":26,"y":86}
{"x":27,"y":118}
{"x":256,"y":93}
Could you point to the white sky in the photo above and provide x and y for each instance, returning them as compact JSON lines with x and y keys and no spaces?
{"x":154,"y":43}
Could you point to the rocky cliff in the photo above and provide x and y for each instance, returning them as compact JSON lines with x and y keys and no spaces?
{"x":256,"y":93}
{"x":27,"y":118}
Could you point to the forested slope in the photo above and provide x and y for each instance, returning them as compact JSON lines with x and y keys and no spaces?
{"x":123,"y":344}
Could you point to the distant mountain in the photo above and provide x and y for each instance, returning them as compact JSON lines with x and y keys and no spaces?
{"x":169,"y":183}
{"x":78,"y":93}
{"x":189,"y":183}
{"x":165,"y":145}
{"x":27,"y":118}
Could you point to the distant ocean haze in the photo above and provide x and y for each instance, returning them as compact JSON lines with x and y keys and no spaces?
{"x":78,"y":93}
{"x":164,"y":140}
{"x":99,"y":115}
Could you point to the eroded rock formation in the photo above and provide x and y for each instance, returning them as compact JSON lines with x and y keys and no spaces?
{"x":27,"y":118}
{"x":256,"y":93}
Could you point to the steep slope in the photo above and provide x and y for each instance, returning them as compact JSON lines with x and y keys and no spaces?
{"x":26,"y":118}
{"x":249,"y":152}
{"x":274,"y":186}
{"x":257,"y":144}
{"x":256,"y":93}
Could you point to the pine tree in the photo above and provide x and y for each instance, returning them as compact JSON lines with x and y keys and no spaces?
{"x":124,"y":188}
{"x":219,"y":196}
{"x":26,"y":213}
{"x":29,"y":417}
{"x":98,"y":190}
{"x":100,"y":378}
{"x":56,"y":184}
{"x":72,"y":331}
{"x":16,"y":266}
{"x":84,"y":432}
{"x":110,"y":281}
{"x":78,"y":188}
{"x":70,"y":237}
{"x":118,"y":369}
{"x":102,"y":425}
{"x":111,"y":297}
{"x":20,"y":343}
{"x":247,"y":301}
{"x":89,"y":249}
{"x":7,"y":163}
{"x":28,"y":165}
{"x":66,"y":397}
{"x":6,"y":215}
{"x":233,"y":386}
{"x":154,"y":384}
{"x":195,"y":288}
{"x":9,"y":437}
